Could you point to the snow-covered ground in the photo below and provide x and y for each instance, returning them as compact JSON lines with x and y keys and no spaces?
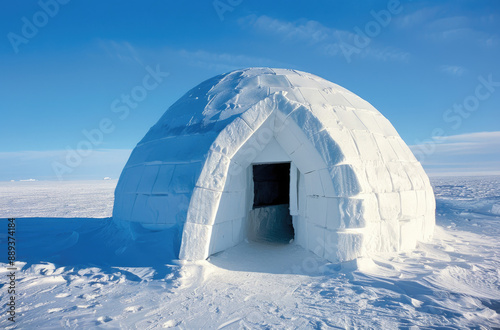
{"x":80,"y":271}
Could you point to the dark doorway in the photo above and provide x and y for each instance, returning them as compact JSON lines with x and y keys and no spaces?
{"x":271,"y":184}
{"x":270,"y":218}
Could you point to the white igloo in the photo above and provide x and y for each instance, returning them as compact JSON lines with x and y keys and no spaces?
{"x":275,"y":154}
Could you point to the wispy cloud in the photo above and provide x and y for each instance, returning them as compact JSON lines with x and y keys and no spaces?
{"x":474,"y":153}
{"x":454,"y":70}
{"x":437,"y":24}
{"x":329,"y":41}
{"x":123,"y":51}
{"x":417,"y":17}
{"x":224,"y":61}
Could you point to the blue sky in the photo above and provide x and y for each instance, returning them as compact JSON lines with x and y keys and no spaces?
{"x":431,"y":67}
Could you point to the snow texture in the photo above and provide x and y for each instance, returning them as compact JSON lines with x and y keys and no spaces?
{"x":85,"y":273}
{"x":363,"y":189}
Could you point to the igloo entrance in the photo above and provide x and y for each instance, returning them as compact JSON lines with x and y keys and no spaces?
{"x":269,"y":219}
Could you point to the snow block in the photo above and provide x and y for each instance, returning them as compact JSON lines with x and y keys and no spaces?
{"x":307,"y":158}
{"x":415,"y":174}
{"x":305,"y":119}
{"x":349,"y":119}
{"x":255,"y":144}
{"x":312,"y":95}
{"x":148,"y":179}
{"x":316,"y":210}
{"x":195,"y":241}
{"x":131,"y":177}
{"x":408,"y":237}
{"x":287,"y":139}
{"x":421,"y":202}
{"x":203,"y":206}
{"x":399,"y":178}
{"x":236,"y":178}
{"x":163,"y":179}
{"x":367,"y":117}
{"x":272,"y":153}
{"x":379,"y":178}
{"x":140,"y":213}
{"x":357,"y":212}
{"x":300,"y":80}
{"x":124,"y":205}
{"x":313,"y":184}
{"x":222,"y":236}
{"x":300,"y":227}
{"x":368,"y":149}
{"x":343,"y":138}
{"x":232,"y":138}
{"x":333,"y":213}
{"x":284,"y":107}
{"x":345,"y":181}
{"x":331,"y":246}
{"x":255,"y":116}
{"x":214,"y":172}
{"x":408,"y":204}
{"x":316,"y":239}
{"x":389,"y":236}
{"x":385,"y":125}
{"x":326,"y":182}
{"x":326,"y":114}
{"x":184,"y":177}
{"x":274,"y":81}
{"x":329,"y":150}
{"x":231,"y":206}
{"x":356,"y":101}
{"x":238,"y":230}
{"x":389,"y":205}
{"x":350,"y":245}
{"x":335,"y":97}
{"x":384,"y":146}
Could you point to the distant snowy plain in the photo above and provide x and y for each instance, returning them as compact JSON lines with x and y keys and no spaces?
{"x":78,"y":270}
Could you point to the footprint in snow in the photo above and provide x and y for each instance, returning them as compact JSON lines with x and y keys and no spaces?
{"x":133,"y":309}
{"x":63,"y":295}
{"x":54,"y":310}
{"x":171,"y":324}
{"x":103,"y":319}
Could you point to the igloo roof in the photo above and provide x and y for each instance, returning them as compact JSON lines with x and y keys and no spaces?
{"x":198,"y":116}
{"x":215,"y":102}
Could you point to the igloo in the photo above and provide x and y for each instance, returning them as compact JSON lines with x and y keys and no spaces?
{"x":277,"y":155}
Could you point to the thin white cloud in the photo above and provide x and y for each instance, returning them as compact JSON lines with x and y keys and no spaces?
{"x":477,"y":153}
{"x":417,"y":17}
{"x":479,"y":143}
{"x":224,"y":61}
{"x":454,"y":70}
{"x":329,"y":41}
{"x":123,"y":51}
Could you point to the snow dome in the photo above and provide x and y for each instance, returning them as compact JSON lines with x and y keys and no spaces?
{"x":280,"y":156}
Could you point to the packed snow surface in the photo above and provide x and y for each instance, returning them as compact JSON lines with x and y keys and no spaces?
{"x":82,"y":272}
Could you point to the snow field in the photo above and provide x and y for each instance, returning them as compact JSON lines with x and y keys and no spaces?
{"x":86,"y":273}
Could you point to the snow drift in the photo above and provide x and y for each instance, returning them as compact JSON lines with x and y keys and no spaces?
{"x":353,"y":186}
